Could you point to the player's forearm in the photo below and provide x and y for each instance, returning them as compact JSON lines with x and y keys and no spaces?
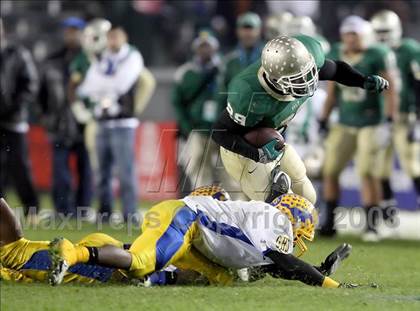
{"x":341,"y":72}
{"x":229,"y":135}
{"x":292,"y":268}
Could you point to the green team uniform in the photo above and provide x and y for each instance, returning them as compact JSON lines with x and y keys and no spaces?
{"x":406,"y":55}
{"x":358,"y":107}
{"x":79,"y":66}
{"x":193,"y":97}
{"x":249,"y":103}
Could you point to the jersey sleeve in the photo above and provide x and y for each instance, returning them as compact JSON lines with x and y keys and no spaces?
{"x":314,"y":47}
{"x":239,"y":104}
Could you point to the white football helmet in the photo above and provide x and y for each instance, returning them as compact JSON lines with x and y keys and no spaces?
{"x":277,"y":25}
{"x":361,"y":27}
{"x":387,"y":27}
{"x":289,"y":67}
{"x":302,"y":25}
{"x":94,"y":38}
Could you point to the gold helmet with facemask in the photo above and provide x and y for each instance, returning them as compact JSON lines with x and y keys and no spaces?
{"x":289,"y":67}
{"x":303,"y":216}
{"x":216,"y":192}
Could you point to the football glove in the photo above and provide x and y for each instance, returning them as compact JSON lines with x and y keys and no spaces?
{"x":375,"y":84}
{"x":270,"y":151}
{"x":384,"y":135}
{"x":333,"y":260}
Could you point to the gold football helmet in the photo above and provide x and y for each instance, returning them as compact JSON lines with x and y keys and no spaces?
{"x":303,"y":216}
{"x":216,"y":192}
{"x":290,"y":67}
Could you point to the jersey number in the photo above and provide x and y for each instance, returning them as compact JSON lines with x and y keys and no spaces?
{"x":237,"y":117}
{"x":352,"y":94}
{"x":282,"y":243}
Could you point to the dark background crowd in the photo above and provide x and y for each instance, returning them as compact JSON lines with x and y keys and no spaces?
{"x":40,"y":41}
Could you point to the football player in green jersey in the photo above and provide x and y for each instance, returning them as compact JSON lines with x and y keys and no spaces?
{"x":388,"y":30}
{"x":268,"y":94}
{"x":364,"y":120}
{"x":194,"y":99}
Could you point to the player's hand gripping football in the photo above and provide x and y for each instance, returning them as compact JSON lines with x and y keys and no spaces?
{"x":270,"y":151}
{"x":375,"y":84}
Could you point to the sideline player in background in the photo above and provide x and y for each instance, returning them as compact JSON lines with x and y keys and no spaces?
{"x":388,"y":30}
{"x":269,"y":93}
{"x":364,"y":121}
{"x":194,"y":98}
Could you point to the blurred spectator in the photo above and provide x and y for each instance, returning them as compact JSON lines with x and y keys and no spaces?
{"x":66,"y":133}
{"x":18,"y":88}
{"x":247,"y":52}
{"x":110,"y":85}
{"x":193,"y":98}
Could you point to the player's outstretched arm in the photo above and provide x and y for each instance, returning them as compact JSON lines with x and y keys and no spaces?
{"x":290,"y":267}
{"x":343,"y":73}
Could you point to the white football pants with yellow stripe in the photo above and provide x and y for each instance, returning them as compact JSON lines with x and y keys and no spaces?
{"x":255,"y":178}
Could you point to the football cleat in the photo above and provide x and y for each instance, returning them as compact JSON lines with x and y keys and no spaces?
{"x":59,"y":265}
{"x":333,"y":260}
{"x":280,"y":184}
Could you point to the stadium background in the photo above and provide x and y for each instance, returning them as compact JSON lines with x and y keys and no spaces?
{"x":163,"y":32}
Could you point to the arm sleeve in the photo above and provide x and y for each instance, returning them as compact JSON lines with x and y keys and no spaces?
{"x":341,"y":72}
{"x":229,"y":135}
{"x":290,"y":267}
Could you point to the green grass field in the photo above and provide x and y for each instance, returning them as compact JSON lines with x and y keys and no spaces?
{"x":393,"y":265}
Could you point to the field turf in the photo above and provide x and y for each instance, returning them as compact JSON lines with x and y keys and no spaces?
{"x":393,"y":265}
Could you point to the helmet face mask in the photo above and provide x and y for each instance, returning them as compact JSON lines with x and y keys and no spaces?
{"x":303,"y":216}
{"x":289,"y":67}
{"x":301,"y":84}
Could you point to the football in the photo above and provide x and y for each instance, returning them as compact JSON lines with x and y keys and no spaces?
{"x":261,"y":136}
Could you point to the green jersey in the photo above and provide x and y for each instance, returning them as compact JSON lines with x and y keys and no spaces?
{"x":251,"y":103}
{"x":194,"y":97}
{"x":358,"y":107}
{"x":406,"y":56}
{"x":79,"y":66}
